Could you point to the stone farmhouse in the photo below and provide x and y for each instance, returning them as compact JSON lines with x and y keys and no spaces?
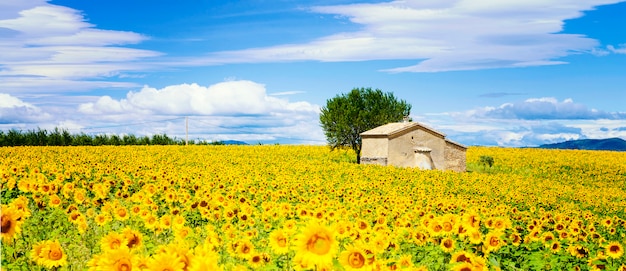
{"x":411,"y":144}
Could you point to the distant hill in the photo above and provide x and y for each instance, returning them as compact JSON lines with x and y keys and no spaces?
{"x":609,"y":144}
{"x":233,"y":142}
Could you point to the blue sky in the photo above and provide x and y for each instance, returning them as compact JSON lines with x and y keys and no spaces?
{"x":499,"y":73}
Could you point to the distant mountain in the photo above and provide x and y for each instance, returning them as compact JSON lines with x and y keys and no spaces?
{"x":609,"y":144}
{"x":233,"y":142}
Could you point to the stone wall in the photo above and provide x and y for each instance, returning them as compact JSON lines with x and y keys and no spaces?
{"x":455,"y":157}
{"x":401,"y":148}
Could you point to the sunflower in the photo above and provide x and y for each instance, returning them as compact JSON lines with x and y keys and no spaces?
{"x":493,"y":241}
{"x":54,"y":201}
{"x":462,"y":266}
{"x":49,"y":254}
{"x":419,"y":237}
{"x":353,"y":258}
{"x":102,"y":218}
{"x":578,"y":251}
{"x":614,"y":250}
{"x":555,"y":247}
{"x":447,"y":244}
{"x":178,"y":221}
{"x":21,"y":204}
{"x":316,"y":246}
{"x":279,"y":241}
{"x":515,"y":239}
{"x":121,"y":213}
{"x":11,"y":223}
{"x":165,"y":222}
{"x":245,"y":249}
{"x":475,"y":237}
{"x":256,"y":261}
{"x":141,"y":261}
{"x":435,"y":228}
{"x":133,"y":238}
{"x":166,"y":262}
{"x":113,"y":240}
{"x":208,"y":261}
{"x":547,"y":238}
{"x":182,"y":232}
{"x":151,"y":222}
{"x":36,"y":252}
{"x":472,"y":219}
{"x":462,"y":256}
{"x":120,"y":259}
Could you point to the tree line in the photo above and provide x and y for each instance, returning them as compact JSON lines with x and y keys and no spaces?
{"x":62,"y":137}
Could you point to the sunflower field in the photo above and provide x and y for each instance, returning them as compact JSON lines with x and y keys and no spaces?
{"x":307,"y":208}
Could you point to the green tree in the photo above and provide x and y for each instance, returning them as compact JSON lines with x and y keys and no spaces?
{"x":346,"y":116}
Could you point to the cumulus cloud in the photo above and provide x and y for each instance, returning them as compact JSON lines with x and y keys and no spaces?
{"x":51,"y":43}
{"x":240,"y":110}
{"x":444,"y":36}
{"x":14,"y":110}
{"x":545,"y":108}
{"x":531,"y":122}
{"x":227,"y":98}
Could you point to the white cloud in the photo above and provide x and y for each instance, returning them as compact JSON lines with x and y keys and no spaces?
{"x":14,"y":110}
{"x":545,"y":108}
{"x":621,"y":49}
{"x":20,"y":85}
{"x":447,"y":35}
{"x":51,"y":43}
{"x":233,"y":110}
{"x":227,"y":98}
{"x":531,"y":122}
{"x":239,"y":110}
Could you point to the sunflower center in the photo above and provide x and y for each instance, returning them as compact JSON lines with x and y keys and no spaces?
{"x":282,"y":241}
{"x":356,"y":260}
{"x":245,"y":249}
{"x":438,"y":228}
{"x":319,"y":244}
{"x":494,"y":241}
{"x":447,"y":243}
{"x":55,"y":254}
{"x":613,"y":249}
{"x":462,"y":258}
{"x":115,"y":244}
{"x":124,"y":265}
{"x":6,"y":224}
{"x":133,"y":242}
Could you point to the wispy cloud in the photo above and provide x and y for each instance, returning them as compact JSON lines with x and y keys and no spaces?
{"x":54,"y":45}
{"x":285,"y":93}
{"x":530,"y":122}
{"x":442,"y":36}
{"x":620,"y":49}
{"x":545,"y":108}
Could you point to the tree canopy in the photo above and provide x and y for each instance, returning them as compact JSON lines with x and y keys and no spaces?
{"x":346,"y":116}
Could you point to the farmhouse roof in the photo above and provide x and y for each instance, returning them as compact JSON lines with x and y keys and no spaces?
{"x":393,"y":129}
{"x":456,"y":144}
